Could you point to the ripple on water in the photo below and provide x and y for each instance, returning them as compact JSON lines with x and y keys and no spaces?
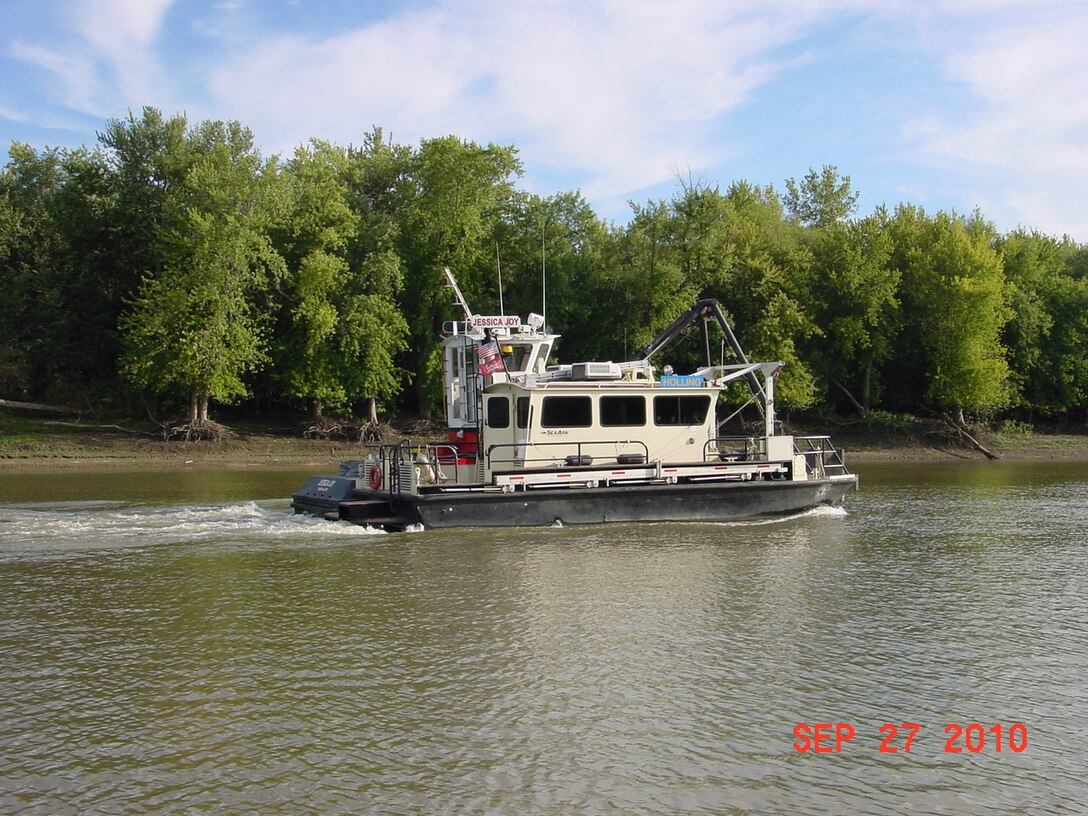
{"x":271,"y":663}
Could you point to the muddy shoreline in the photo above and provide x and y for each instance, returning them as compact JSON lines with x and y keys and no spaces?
{"x":96,"y":449}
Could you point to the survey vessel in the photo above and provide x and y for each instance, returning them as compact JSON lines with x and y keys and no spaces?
{"x":532,"y":443}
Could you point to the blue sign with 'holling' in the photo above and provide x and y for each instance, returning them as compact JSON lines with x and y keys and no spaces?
{"x":683,"y":381}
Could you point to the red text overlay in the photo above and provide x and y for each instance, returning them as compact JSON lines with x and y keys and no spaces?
{"x":894,"y":738}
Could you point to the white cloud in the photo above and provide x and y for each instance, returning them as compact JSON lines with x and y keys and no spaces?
{"x":1025,"y":121}
{"x":615,"y":96}
{"x":121,"y":34}
{"x":622,"y":92}
{"x":116,"y":26}
{"x":110,"y":63}
{"x":13,"y":115}
{"x":75,"y":71}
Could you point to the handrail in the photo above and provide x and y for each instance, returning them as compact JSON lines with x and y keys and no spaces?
{"x":391,"y":456}
{"x":820,"y":455}
{"x":744,"y":448}
{"x":524,"y":461}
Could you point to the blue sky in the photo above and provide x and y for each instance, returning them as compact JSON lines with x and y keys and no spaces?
{"x":949,"y":104}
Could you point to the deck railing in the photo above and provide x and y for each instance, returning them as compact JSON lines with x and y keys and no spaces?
{"x":822,"y":458}
{"x":620,"y":451}
{"x":396,"y":460}
{"x":732,"y":449}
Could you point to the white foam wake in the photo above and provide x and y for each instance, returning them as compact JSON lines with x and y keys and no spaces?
{"x":80,"y":526}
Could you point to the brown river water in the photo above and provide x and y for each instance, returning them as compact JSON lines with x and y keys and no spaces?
{"x":180,"y":642}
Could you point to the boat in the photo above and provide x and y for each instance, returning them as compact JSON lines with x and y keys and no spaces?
{"x":531,"y":443}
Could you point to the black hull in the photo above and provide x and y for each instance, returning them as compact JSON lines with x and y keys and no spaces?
{"x":706,"y":501}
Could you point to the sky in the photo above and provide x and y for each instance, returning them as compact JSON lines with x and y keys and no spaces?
{"x":948,"y":104}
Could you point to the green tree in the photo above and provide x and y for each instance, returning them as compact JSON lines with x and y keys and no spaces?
{"x":821,"y":198}
{"x":193,"y":327}
{"x":28,"y":246}
{"x":550,"y":252}
{"x":313,"y":240}
{"x":447,"y":204}
{"x":1048,"y":331}
{"x":61,"y":293}
{"x":855,"y":303}
{"x":149,"y":161}
{"x":343,"y":328}
{"x":651,"y":277}
{"x":738,"y":248}
{"x":954,"y":305}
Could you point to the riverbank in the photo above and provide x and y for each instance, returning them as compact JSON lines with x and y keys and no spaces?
{"x":45,"y":444}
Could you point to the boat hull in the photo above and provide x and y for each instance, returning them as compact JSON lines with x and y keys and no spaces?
{"x":683,"y":502}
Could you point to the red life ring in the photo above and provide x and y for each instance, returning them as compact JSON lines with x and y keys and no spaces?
{"x":374,"y":477}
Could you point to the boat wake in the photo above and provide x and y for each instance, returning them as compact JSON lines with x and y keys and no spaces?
{"x":824,"y":511}
{"x":65,"y":527}
{"x":820,"y":511}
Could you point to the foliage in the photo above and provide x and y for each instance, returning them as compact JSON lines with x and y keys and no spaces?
{"x":173,"y":260}
{"x":821,"y":198}
{"x":854,"y":295}
{"x":193,"y":326}
{"x":446,"y":204}
{"x":888,"y":421}
{"x":954,"y":299}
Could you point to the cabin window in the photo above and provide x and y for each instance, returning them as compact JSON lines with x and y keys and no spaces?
{"x":618,"y":411}
{"x":681,"y":410}
{"x":523,"y":412}
{"x":566,"y":412}
{"x":498,"y":412}
{"x":514,"y":356}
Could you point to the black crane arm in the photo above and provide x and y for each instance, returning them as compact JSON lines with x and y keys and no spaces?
{"x":704,"y":310}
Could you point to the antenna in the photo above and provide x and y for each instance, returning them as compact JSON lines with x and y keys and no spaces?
{"x":498,"y":266}
{"x":543,"y":273}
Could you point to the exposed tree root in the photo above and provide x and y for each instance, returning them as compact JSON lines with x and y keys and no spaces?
{"x":374,"y":432}
{"x":188,"y":430}
{"x":331,"y":428}
{"x":342,"y":429}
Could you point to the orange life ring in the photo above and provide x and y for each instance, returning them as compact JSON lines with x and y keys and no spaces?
{"x":374,"y":477}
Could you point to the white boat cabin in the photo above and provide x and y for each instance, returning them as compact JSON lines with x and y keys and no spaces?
{"x":507,"y":408}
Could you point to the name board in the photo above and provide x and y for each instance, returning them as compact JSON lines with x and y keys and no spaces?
{"x":496,"y":321}
{"x":682,"y":381}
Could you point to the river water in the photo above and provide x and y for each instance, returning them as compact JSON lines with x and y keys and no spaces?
{"x":179,"y":642}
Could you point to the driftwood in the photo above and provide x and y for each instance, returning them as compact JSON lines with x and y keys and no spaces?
{"x":84,"y":427}
{"x":37,"y":406}
{"x":957,"y":424}
{"x":961,"y":429}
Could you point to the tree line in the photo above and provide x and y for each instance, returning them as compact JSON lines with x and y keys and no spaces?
{"x":171,"y":266}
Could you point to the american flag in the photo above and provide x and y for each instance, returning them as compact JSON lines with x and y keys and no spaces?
{"x":490,"y":358}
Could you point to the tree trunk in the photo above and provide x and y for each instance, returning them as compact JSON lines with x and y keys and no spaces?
{"x":315,"y":409}
{"x":372,"y":408}
{"x":203,"y":406}
{"x":866,"y":389}
{"x":857,"y":406}
{"x":194,"y":406}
